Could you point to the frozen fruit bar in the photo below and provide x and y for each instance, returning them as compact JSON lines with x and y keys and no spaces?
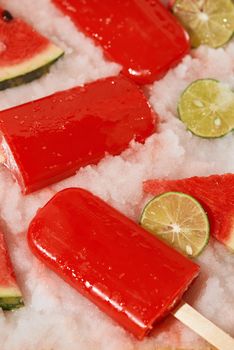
{"x":141,"y":35}
{"x":47,"y":140}
{"x":132,"y":276}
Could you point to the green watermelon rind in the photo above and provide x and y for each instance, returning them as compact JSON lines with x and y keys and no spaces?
{"x":31,"y":69}
{"x":11,"y":303}
{"x":10,"y":298}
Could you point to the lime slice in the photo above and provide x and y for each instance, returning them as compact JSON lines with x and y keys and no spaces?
{"x":207,"y":108}
{"x":179,"y":220}
{"x":209,"y":22}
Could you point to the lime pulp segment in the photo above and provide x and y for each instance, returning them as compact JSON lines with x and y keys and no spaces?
{"x":207,"y":108}
{"x":209,"y":22}
{"x":179,"y":220}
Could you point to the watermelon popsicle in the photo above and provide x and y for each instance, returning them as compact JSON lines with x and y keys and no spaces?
{"x":132,"y":276}
{"x":47,"y":140}
{"x":141,"y":35}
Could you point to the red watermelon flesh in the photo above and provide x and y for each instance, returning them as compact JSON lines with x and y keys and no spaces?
{"x":18,"y":41}
{"x":216,"y":195}
{"x":10,"y":295}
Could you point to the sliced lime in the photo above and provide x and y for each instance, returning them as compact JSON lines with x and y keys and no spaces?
{"x":179,"y":220}
{"x":207,"y":108}
{"x":209,"y":22}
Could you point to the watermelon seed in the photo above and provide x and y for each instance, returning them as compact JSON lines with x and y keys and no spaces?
{"x":7,"y":16}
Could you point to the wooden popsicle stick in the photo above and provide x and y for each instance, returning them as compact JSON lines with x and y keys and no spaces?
{"x":202,"y":326}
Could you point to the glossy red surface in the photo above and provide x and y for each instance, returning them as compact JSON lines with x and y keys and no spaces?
{"x":131,"y":275}
{"x":49,"y":139}
{"x":141,"y":35}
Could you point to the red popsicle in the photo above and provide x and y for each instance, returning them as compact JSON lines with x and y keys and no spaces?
{"x":46,"y":140}
{"x":129,"y":274}
{"x":141,"y":35}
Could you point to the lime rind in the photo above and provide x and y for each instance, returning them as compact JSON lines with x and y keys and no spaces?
{"x":191,"y":239}
{"x":208,"y":22}
{"x":207,"y":108}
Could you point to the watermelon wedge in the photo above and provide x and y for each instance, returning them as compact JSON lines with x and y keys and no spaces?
{"x":216,"y":195}
{"x":24,"y":53}
{"x":10,"y":294}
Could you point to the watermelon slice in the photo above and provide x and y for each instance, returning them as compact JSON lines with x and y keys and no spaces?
{"x":24,"y":54}
{"x":10,"y":294}
{"x":216,"y":195}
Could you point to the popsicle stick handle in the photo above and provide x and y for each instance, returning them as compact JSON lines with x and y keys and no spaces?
{"x":202,"y":326}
